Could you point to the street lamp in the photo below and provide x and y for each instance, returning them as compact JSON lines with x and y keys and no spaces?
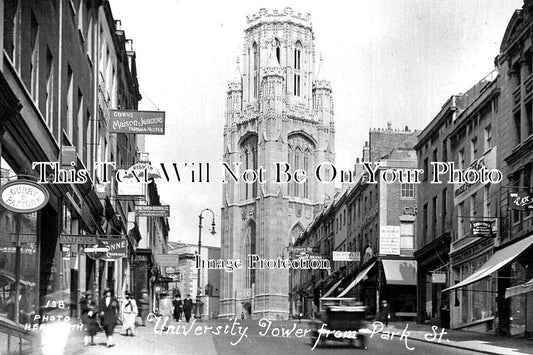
{"x":198,"y":314}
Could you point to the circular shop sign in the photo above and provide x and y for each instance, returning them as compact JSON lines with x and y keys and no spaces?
{"x":23,"y":196}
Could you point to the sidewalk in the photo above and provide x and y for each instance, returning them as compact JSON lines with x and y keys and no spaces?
{"x":461,"y":339}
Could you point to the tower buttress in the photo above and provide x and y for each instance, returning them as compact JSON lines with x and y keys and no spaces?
{"x":272,"y":86}
{"x":234,"y":97}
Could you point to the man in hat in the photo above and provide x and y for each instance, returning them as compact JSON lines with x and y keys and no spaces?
{"x":144,"y":305}
{"x":109,"y":313}
{"x":187,"y":308}
{"x":129,"y":313}
{"x":385,"y":312}
{"x":89,"y":311}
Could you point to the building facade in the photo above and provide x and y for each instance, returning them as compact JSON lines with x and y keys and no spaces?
{"x":278,"y":110}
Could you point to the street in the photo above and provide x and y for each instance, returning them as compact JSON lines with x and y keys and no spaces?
{"x":255,"y":339}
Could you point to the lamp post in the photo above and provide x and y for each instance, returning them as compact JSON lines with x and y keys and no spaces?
{"x":198,"y":314}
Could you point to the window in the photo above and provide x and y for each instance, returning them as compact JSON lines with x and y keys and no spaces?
{"x":443,"y":211}
{"x":488,"y":137}
{"x":473,"y":207}
{"x":249,"y":150}
{"x":70,"y":109}
{"x":426,"y":169}
{"x":297,"y":69}
{"x":255,"y":74}
{"x":434,"y":214}
{"x":460,"y":220}
{"x":461,"y":158}
{"x":444,"y":151}
{"x":424,"y":223}
{"x":49,"y":94}
{"x":277,"y":45}
{"x":486,"y":201}
{"x":300,"y":154}
{"x":435,"y":155}
{"x":34,"y":61}
{"x":78,"y":137}
{"x":473,"y":149}
{"x":408,"y":190}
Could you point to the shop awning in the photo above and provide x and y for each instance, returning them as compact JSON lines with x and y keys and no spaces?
{"x":358,"y":279}
{"x":520,"y":289}
{"x":400,"y":272}
{"x":333,"y":288}
{"x":500,"y":258}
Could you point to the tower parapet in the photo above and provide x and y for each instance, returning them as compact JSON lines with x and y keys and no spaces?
{"x":285,"y":15}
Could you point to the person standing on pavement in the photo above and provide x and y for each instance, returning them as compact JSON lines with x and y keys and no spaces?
{"x":129,"y":313}
{"x":89,"y":312}
{"x":165,"y":309}
{"x":144,"y":305}
{"x":385,"y":312}
{"x":109,"y":313}
{"x":187,"y":308}
{"x":445,"y":315}
{"x":177,"y":304}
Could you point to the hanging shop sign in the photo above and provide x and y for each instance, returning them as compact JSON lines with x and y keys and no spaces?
{"x":23,"y":196}
{"x":109,"y":249}
{"x":77,"y":239}
{"x":482,"y":229}
{"x":152,"y":211}
{"x":137,"y":122}
{"x":438,"y":277}
{"x":522,"y":201}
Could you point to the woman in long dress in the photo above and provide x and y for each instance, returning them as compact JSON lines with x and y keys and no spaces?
{"x":108,"y":311}
{"x":89,"y":311}
{"x":129,"y":313}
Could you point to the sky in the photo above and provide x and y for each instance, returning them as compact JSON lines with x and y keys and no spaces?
{"x":392,"y":61}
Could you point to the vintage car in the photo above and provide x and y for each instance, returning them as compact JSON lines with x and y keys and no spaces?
{"x":340,"y":319}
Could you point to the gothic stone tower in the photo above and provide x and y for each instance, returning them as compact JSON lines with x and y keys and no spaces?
{"x":278,"y":110}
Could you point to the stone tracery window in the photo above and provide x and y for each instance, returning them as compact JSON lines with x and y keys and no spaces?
{"x":301,"y":150}
{"x":297,"y":68}
{"x":249,"y":152}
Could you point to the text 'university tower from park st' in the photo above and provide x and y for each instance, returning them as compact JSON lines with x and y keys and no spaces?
{"x":279,"y":109}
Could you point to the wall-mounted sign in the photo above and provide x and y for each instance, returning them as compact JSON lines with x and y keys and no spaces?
{"x":68,"y":156}
{"x":152,"y":211}
{"x":131,"y":188}
{"x":522,"y":201}
{"x":136,"y":122}
{"x":482,"y":229}
{"x":389,"y":240}
{"x":23,"y":196}
{"x":77,"y":239}
{"x":346,"y":256}
{"x":438,"y":278}
{"x":164,"y":260}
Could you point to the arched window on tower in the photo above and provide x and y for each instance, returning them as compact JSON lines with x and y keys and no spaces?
{"x":301,"y":150}
{"x":251,"y":248}
{"x":296,"y":232}
{"x":255,"y":74}
{"x":249,"y":151}
{"x":277,"y":45}
{"x":297,"y":68}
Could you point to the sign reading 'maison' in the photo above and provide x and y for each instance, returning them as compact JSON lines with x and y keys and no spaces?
{"x":137,"y":122}
{"x":23,"y":196}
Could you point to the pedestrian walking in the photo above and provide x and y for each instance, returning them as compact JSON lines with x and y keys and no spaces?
{"x":177,"y":304}
{"x":129,"y":313}
{"x":445,"y":315}
{"x":165,"y":308}
{"x":89,"y":312}
{"x":385,"y":312}
{"x":144,"y":305}
{"x":187,"y":308}
{"x":109,"y":313}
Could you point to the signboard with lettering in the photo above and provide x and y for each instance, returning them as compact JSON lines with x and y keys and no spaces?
{"x":136,"y":122}
{"x":389,"y":240}
{"x":438,"y":278}
{"x":68,"y":156}
{"x":77,"y":239}
{"x":165,"y":260}
{"x":346,"y":256}
{"x":23,"y":196}
{"x":109,"y":249}
{"x":482,"y":229}
{"x":131,"y":188}
{"x":522,"y":201}
{"x":152,"y":211}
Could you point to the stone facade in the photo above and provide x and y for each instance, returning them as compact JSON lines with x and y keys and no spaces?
{"x":278,"y":110}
